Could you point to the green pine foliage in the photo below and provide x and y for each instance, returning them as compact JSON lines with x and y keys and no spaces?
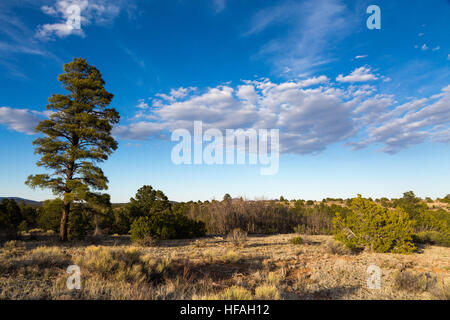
{"x":166,"y":225}
{"x":76,"y":137}
{"x":372,"y":226}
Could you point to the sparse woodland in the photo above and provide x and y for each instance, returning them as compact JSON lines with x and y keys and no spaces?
{"x":152,"y":248}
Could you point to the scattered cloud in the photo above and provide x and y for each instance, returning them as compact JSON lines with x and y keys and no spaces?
{"x":17,"y":40}
{"x":311,"y":114}
{"x":420,"y":34}
{"x":309,"y":118}
{"x":176,"y":93}
{"x":361,"y":74}
{"x":424,"y":47}
{"x":20,"y":120}
{"x":436,"y":48}
{"x":314,"y":80}
{"x":412,"y":123}
{"x":219,"y":5}
{"x":361,"y":56}
{"x":142,"y":104}
{"x":313,"y":27}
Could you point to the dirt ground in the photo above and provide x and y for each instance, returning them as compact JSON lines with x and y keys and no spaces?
{"x":264,"y":267}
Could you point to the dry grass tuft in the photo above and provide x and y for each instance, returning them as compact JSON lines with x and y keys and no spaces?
{"x":337,"y":248}
{"x":47,"y":257}
{"x":13,"y":248}
{"x":128,"y":265}
{"x":236,"y":293}
{"x":409,"y":281}
{"x":267,"y":292}
{"x":266,"y":268}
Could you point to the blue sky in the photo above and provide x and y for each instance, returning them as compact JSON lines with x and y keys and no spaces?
{"x":359,"y":110}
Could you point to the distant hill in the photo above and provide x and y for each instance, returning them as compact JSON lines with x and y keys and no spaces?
{"x":27,"y":201}
{"x":33,"y":203}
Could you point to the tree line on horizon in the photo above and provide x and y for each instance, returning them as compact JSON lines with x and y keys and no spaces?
{"x":151,"y":215}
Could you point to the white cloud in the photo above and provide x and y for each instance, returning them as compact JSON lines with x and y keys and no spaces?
{"x":420,"y":34}
{"x":142,"y":104}
{"x":361,"y":74}
{"x":138,"y":130}
{"x":436,"y":48}
{"x":361,"y":56}
{"x":412,"y":123}
{"x":313,"y":26}
{"x":176,"y":93}
{"x":309,"y":118}
{"x":424,"y":47}
{"x":21,"y":120}
{"x":314,"y":80}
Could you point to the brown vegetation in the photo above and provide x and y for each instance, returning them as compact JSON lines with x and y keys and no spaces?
{"x":267,"y":267}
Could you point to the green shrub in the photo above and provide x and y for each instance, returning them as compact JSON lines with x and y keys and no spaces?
{"x":166,"y":225}
{"x":79,"y":224}
{"x":23,"y":226}
{"x":373,"y":226}
{"x":297,"y":240}
{"x":140,"y":229}
{"x":49,"y":215}
{"x":432,"y":237}
{"x":10,"y":218}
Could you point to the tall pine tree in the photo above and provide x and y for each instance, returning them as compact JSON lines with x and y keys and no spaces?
{"x":77,"y":136}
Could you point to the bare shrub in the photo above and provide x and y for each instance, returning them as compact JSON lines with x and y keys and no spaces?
{"x":237,"y":237}
{"x":266,"y":217}
{"x":148,"y":241}
{"x":409,"y":281}
{"x":440,"y":289}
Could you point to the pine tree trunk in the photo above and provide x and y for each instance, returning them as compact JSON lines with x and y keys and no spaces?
{"x":97,"y":227}
{"x":64,"y":222}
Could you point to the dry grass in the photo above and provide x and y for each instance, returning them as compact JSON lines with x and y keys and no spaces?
{"x":267,"y":267}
